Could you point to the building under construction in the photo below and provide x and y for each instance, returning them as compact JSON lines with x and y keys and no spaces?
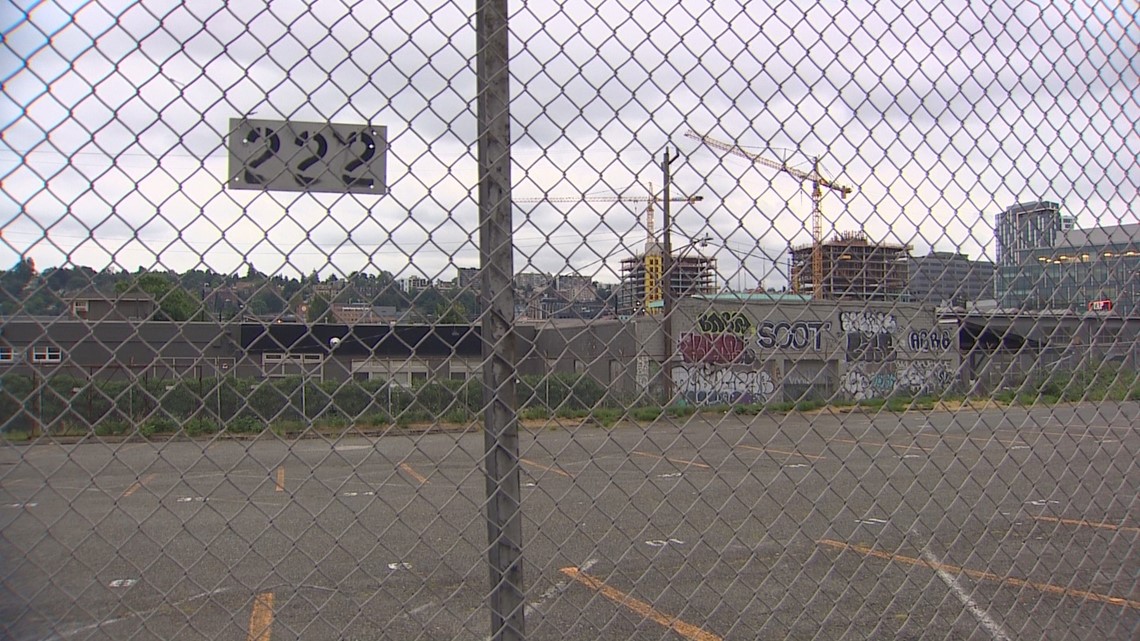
{"x":642,"y":279}
{"x":853,"y":269}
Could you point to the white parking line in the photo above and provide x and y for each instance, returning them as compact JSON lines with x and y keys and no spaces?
{"x":983,"y":618}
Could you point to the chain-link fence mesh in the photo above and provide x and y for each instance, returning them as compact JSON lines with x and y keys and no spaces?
{"x":623,"y":320}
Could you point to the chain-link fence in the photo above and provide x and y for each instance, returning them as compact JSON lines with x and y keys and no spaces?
{"x":622,"y":320}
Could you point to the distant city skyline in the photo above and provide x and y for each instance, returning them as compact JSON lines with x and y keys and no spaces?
{"x":113,"y":149}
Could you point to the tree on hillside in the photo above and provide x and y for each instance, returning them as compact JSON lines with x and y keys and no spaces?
{"x":318,"y":310}
{"x":451,"y":313}
{"x":12,"y":285}
{"x":174,"y":302}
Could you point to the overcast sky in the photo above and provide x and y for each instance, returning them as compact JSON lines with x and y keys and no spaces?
{"x":115,"y":116}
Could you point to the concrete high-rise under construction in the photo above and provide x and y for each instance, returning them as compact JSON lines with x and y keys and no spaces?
{"x":853,"y":269}
{"x":642,"y":279}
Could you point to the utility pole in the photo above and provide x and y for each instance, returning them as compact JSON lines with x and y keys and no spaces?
{"x":667,"y":278}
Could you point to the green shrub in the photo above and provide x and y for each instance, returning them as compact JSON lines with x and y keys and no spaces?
{"x":898,"y":403}
{"x":376,"y":419}
{"x":645,"y":414}
{"x":747,"y":409}
{"x":534,"y":413}
{"x":872,"y":403}
{"x":245,"y":424}
{"x":112,"y":428}
{"x":571,"y":413}
{"x":200,"y":427}
{"x":458,"y":415}
{"x":158,"y":425}
{"x":782,"y":406}
{"x":681,"y":411}
{"x":286,"y":427}
{"x":1005,"y":395}
{"x":809,"y":404}
{"x":606,"y":416}
{"x":410,"y":416}
{"x":575,"y":391}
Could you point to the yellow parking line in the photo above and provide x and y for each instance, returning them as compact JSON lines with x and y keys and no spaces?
{"x":687,"y":630}
{"x":987,"y":576}
{"x":544,"y":467}
{"x":261,"y":617}
{"x":138,"y":485}
{"x":679,"y":461}
{"x":1102,"y":525}
{"x":407,"y":469}
{"x":768,"y":450}
{"x":281,"y":479}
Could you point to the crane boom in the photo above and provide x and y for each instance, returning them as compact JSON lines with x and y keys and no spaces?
{"x":649,"y":199}
{"x":818,"y":182}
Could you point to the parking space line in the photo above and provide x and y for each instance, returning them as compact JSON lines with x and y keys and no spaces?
{"x":1102,"y":525}
{"x":407,"y":469}
{"x":540,"y":466}
{"x":687,"y":630}
{"x":973,"y":439}
{"x":261,"y":617}
{"x":914,"y":446}
{"x":672,"y":460}
{"x":981,"y":616}
{"x":984,"y":576}
{"x":138,"y":485}
{"x":280,"y":479}
{"x":768,"y":450}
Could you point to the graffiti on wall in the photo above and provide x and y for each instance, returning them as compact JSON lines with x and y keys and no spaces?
{"x":860,"y":384}
{"x":864,"y":381}
{"x":721,"y":385}
{"x":932,"y":340}
{"x":925,"y":376}
{"x":869,"y":336}
{"x":868,"y":323}
{"x":725,"y":323}
{"x":800,"y":335}
{"x":714,"y":349}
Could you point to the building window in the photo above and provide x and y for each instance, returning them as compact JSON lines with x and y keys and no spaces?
{"x":7,"y":354}
{"x":80,"y":308}
{"x":47,"y":354}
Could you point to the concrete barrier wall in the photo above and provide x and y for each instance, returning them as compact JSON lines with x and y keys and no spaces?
{"x":755,"y":352}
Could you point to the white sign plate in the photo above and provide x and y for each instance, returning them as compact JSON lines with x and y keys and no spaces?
{"x":286,"y":155}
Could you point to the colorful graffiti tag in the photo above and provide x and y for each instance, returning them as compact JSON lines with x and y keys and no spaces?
{"x":714,"y":349}
{"x":717,"y":386}
{"x":864,"y":381}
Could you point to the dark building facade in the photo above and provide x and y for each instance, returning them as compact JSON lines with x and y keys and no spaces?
{"x":941,"y":278}
{"x":1096,"y":269}
{"x":1027,"y":227}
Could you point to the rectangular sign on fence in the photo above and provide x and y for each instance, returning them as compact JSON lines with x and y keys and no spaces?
{"x":284,"y":155}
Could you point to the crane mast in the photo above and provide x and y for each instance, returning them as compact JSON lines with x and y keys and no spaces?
{"x":653,"y":272}
{"x":818,"y":183}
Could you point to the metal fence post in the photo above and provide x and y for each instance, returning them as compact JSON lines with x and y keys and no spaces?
{"x":501,"y":456}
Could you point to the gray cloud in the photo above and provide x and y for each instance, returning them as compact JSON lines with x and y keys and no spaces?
{"x":115,"y":125}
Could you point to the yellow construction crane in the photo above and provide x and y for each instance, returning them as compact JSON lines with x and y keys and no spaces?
{"x":818,"y":183}
{"x":653,"y":262}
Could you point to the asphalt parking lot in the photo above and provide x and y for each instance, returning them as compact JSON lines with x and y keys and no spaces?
{"x":1007,"y":523}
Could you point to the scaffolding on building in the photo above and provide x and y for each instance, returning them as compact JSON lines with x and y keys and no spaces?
{"x":854,"y":269}
{"x":641,"y":279}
